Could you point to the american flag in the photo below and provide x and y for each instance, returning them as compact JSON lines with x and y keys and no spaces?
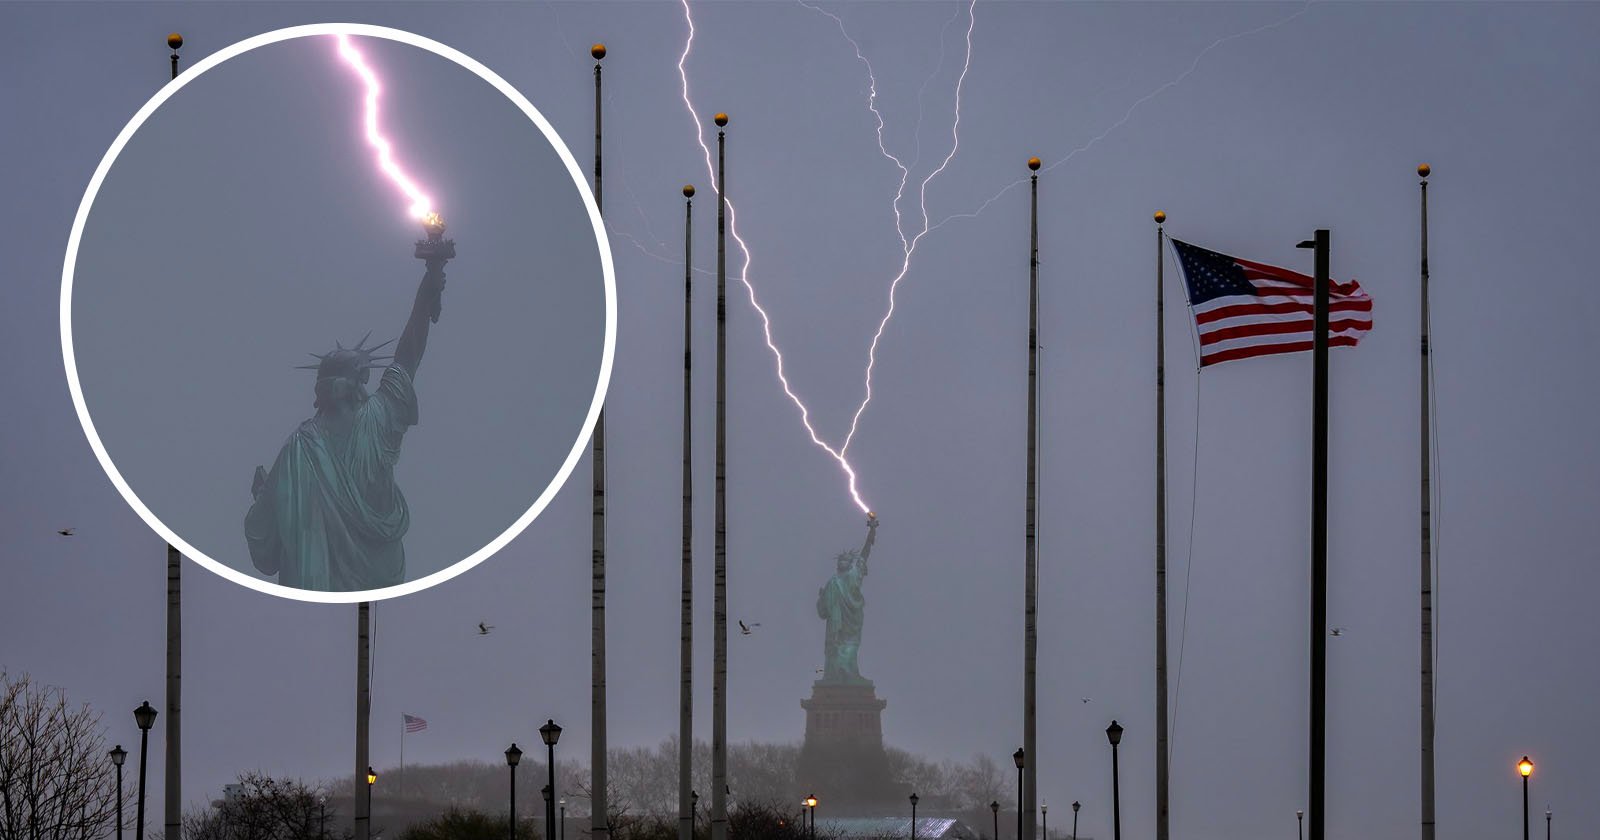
{"x":414,"y":723}
{"x":1243,"y":308}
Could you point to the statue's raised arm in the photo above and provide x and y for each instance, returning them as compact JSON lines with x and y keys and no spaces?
{"x":434,"y":251}
{"x":872,"y":535}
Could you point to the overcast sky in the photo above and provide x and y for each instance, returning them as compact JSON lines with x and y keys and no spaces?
{"x":1317,"y":122}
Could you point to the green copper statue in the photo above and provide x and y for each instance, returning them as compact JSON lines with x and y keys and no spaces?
{"x":841,"y":605}
{"x":328,"y":515}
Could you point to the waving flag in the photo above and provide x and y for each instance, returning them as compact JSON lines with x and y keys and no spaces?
{"x":1243,"y":308}
{"x":414,"y":723}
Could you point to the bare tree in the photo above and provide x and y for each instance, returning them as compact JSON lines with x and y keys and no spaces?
{"x":260,"y":808}
{"x":56,"y":781}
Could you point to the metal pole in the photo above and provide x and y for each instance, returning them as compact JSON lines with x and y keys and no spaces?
{"x":913,"y":818}
{"x":1074,"y":821}
{"x":994,"y":808}
{"x":1426,"y":641}
{"x":719,"y":658}
{"x":363,"y":805}
{"x":686,"y":598}
{"x":144,"y":751}
{"x":1116,"y":798}
{"x":119,"y":799}
{"x":1524,"y":808}
{"x":1029,"y":772}
{"x":1547,"y":824}
{"x":550,"y":798}
{"x":173,"y":788}
{"x":598,"y":824}
{"x":1161,"y":534}
{"x":512,"y":818}
{"x":1044,"y":821}
{"x":1319,"y":539}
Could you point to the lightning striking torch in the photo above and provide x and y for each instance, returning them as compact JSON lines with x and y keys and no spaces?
{"x":435,"y":250}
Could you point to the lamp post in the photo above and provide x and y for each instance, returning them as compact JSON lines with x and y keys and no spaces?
{"x":322,"y":817}
{"x":1525,"y":767}
{"x":1114,"y":735}
{"x":1547,"y":823}
{"x":1019,"y":758}
{"x":994,"y":809}
{"x":513,"y":758}
{"x":119,"y":755}
{"x":694,"y":810}
{"x":550,"y":733}
{"x":811,"y":805}
{"x":1075,"y":807}
{"x":372,"y":779}
{"x":1300,"y":822}
{"x":145,"y":717}
{"x":913,"y":815}
{"x":563,"y":819}
{"x":1044,"y":819}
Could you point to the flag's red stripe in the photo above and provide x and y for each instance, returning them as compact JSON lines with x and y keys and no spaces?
{"x":1232,"y":353}
{"x":1278,"y":328}
{"x":1235,"y":310}
{"x":1257,"y":271}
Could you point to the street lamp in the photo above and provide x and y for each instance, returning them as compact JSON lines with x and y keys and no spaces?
{"x":694,"y":811}
{"x":1044,"y":818}
{"x":1114,"y":735}
{"x":1525,"y":767}
{"x":145,"y":717}
{"x":550,"y":733}
{"x":1075,"y":807}
{"x":1547,"y":823}
{"x":563,"y":831}
{"x":1019,"y":758}
{"x":119,"y":755}
{"x":513,"y":758}
{"x":913,"y":798}
{"x":811,"y":805}
{"x":994,"y":808}
{"x":372,"y":779}
{"x":1300,"y":822}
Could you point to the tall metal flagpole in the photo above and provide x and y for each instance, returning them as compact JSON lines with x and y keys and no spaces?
{"x":362,"y":804}
{"x":173,"y":789}
{"x":1030,"y":769}
{"x":686,"y":601}
{"x":719,"y":656}
{"x":1161,"y":533}
{"x":1427,"y":537}
{"x":599,"y":819}
{"x":1319,"y":539}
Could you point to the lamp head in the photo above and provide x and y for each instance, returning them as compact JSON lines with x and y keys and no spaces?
{"x":372,"y":776}
{"x":118,"y":755}
{"x":513,"y":755}
{"x":550,"y":732}
{"x":1525,"y":767}
{"x":145,"y":716}
{"x":1114,"y":733}
{"x":994,"y":806}
{"x":1075,"y":806}
{"x":913,"y":798}
{"x":811,"y":801}
{"x":1019,"y":758}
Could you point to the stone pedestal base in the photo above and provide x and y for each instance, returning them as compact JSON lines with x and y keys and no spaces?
{"x":842,"y":760}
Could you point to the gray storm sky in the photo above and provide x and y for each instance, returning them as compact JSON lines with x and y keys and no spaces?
{"x":1318,"y":122}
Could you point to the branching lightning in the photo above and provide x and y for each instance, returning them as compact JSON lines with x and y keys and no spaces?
{"x":420,"y":204}
{"x":908,"y":245}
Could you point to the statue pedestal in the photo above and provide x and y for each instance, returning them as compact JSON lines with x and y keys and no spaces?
{"x":842,"y":760}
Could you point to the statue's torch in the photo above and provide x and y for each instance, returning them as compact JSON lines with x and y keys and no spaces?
{"x":435,"y":251}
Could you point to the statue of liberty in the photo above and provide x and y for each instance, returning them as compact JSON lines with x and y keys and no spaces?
{"x":328,"y":515}
{"x":841,"y":605}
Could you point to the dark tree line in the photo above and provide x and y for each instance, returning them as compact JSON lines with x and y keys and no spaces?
{"x":56,"y":779}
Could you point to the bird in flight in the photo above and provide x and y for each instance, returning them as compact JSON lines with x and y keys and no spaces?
{"x":1084,"y":699}
{"x":67,"y":532}
{"x":483,"y":628}
{"x":1337,"y":631}
{"x":746,"y":628}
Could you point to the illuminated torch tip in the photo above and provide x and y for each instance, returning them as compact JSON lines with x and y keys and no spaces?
{"x":433,"y":223}
{"x":598,"y":51}
{"x":174,"y":40}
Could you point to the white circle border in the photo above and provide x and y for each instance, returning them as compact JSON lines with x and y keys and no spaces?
{"x":607,"y":269}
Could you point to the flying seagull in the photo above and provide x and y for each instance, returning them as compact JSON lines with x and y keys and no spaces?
{"x":1337,"y":631}
{"x":1084,"y":699}
{"x":745,"y":628}
{"x":66,"y":532}
{"x":483,"y":629}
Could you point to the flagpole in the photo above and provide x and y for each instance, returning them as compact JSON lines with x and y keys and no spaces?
{"x":1319,"y":538}
{"x":402,"y":755}
{"x":1162,"y":768}
{"x":1030,"y":768}
{"x":173,"y":788}
{"x":599,"y":819}
{"x":1427,"y":535}
{"x":719,"y":656}
{"x":686,"y":600}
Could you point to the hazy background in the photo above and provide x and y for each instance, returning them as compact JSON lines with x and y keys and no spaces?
{"x":1318,"y":122}
{"x":246,"y":226}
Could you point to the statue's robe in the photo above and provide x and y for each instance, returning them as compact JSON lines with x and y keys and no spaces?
{"x":841,"y":604}
{"x":330,"y":517}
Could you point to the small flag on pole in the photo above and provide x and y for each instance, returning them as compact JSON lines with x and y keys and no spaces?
{"x":414,"y":723}
{"x":1243,"y":309}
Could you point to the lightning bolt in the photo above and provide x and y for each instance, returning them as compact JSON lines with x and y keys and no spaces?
{"x":421,"y":205}
{"x":908,"y":245}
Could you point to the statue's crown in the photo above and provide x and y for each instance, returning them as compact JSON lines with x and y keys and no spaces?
{"x":350,"y":363}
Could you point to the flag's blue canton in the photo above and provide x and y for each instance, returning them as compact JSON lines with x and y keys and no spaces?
{"x":1210,"y":274}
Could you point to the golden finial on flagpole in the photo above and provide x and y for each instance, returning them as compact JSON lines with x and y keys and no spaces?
{"x":1423,"y":170}
{"x":1034,"y":163}
{"x":175,"y":40}
{"x":720,"y":119}
{"x":688,"y":190}
{"x":598,"y":51}
{"x":1161,"y":216}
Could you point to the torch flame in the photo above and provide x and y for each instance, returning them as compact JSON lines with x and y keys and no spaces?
{"x":421,"y":205}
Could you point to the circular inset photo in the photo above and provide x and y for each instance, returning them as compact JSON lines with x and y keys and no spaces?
{"x":338,"y":312}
